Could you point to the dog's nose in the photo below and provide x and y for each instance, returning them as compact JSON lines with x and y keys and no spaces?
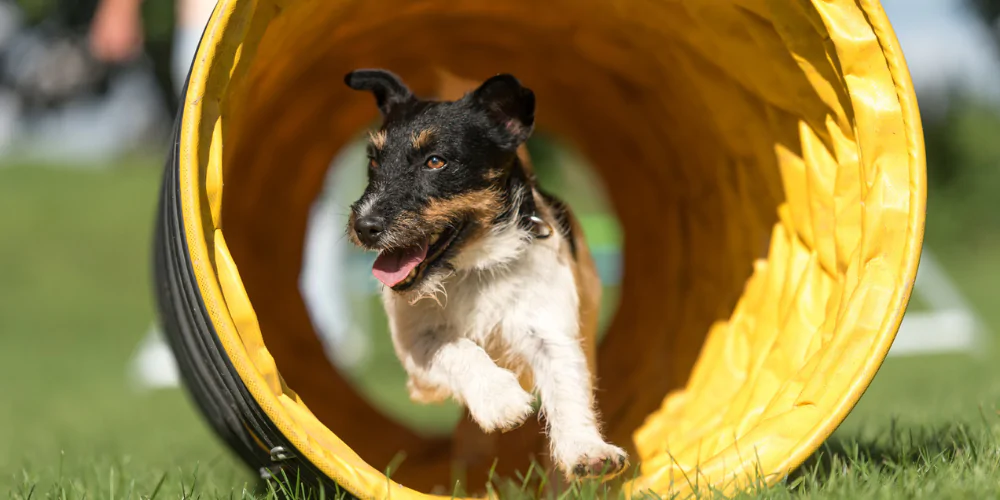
{"x":369,"y":229}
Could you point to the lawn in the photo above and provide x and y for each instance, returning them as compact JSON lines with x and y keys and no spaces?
{"x":75,"y":300}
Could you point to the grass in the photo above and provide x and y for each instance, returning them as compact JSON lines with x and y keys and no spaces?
{"x":75,"y":299}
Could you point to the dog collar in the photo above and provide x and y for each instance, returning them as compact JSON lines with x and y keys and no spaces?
{"x":529,"y":216}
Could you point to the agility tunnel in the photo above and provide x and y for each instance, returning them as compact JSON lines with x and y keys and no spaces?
{"x":764,"y":158}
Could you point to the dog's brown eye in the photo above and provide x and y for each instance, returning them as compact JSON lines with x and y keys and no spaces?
{"x":435,"y":162}
{"x":372,"y":163}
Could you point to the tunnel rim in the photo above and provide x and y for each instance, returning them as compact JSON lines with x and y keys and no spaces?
{"x":907,"y":99}
{"x":235,"y":416}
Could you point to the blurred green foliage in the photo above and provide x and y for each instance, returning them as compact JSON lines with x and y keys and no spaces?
{"x":37,"y":10}
{"x":963,"y":173}
{"x":158,"y":19}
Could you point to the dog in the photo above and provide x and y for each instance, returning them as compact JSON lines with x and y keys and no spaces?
{"x":489,"y":287}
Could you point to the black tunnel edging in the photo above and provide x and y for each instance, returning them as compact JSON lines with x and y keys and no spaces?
{"x":208,"y":374}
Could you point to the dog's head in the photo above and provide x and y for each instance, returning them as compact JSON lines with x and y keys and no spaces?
{"x":441,"y":175}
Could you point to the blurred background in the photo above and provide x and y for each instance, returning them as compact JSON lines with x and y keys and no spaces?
{"x":88,"y":92}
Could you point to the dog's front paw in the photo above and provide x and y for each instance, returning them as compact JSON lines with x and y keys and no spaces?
{"x":502,"y":407}
{"x":424,"y":393}
{"x":598,"y":460}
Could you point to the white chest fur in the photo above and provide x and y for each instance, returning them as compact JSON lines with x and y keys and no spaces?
{"x":498,"y":308}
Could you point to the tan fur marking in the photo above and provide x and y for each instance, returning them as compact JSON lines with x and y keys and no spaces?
{"x":377,"y":139}
{"x":422,"y":138}
{"x":494,"y":175}
{"x":522,"y":153}
{"x":484,"y":205}
{"x":589,"y":289}
{"x":351,"y":234}
{"x":407,"y":221}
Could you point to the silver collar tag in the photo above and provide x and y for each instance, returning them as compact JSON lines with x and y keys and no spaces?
{"x":541,"y":229}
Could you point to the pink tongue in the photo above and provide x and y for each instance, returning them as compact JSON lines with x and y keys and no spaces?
{"x":392,"y":267}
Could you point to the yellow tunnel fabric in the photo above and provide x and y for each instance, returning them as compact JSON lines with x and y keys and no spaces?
{"x":765,"y":159}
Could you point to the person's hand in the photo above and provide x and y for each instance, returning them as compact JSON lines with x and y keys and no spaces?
{"x":116,"y":33}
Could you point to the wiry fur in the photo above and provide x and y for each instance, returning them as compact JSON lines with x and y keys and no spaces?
{"x":509,"y":312}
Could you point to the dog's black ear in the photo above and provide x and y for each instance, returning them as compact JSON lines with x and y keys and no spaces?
{"x":388,"y":89}
{"x":508,"y":103}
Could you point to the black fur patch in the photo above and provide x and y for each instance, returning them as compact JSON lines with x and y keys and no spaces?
{"x":561,"y":213}
{"x":518,"y":186}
